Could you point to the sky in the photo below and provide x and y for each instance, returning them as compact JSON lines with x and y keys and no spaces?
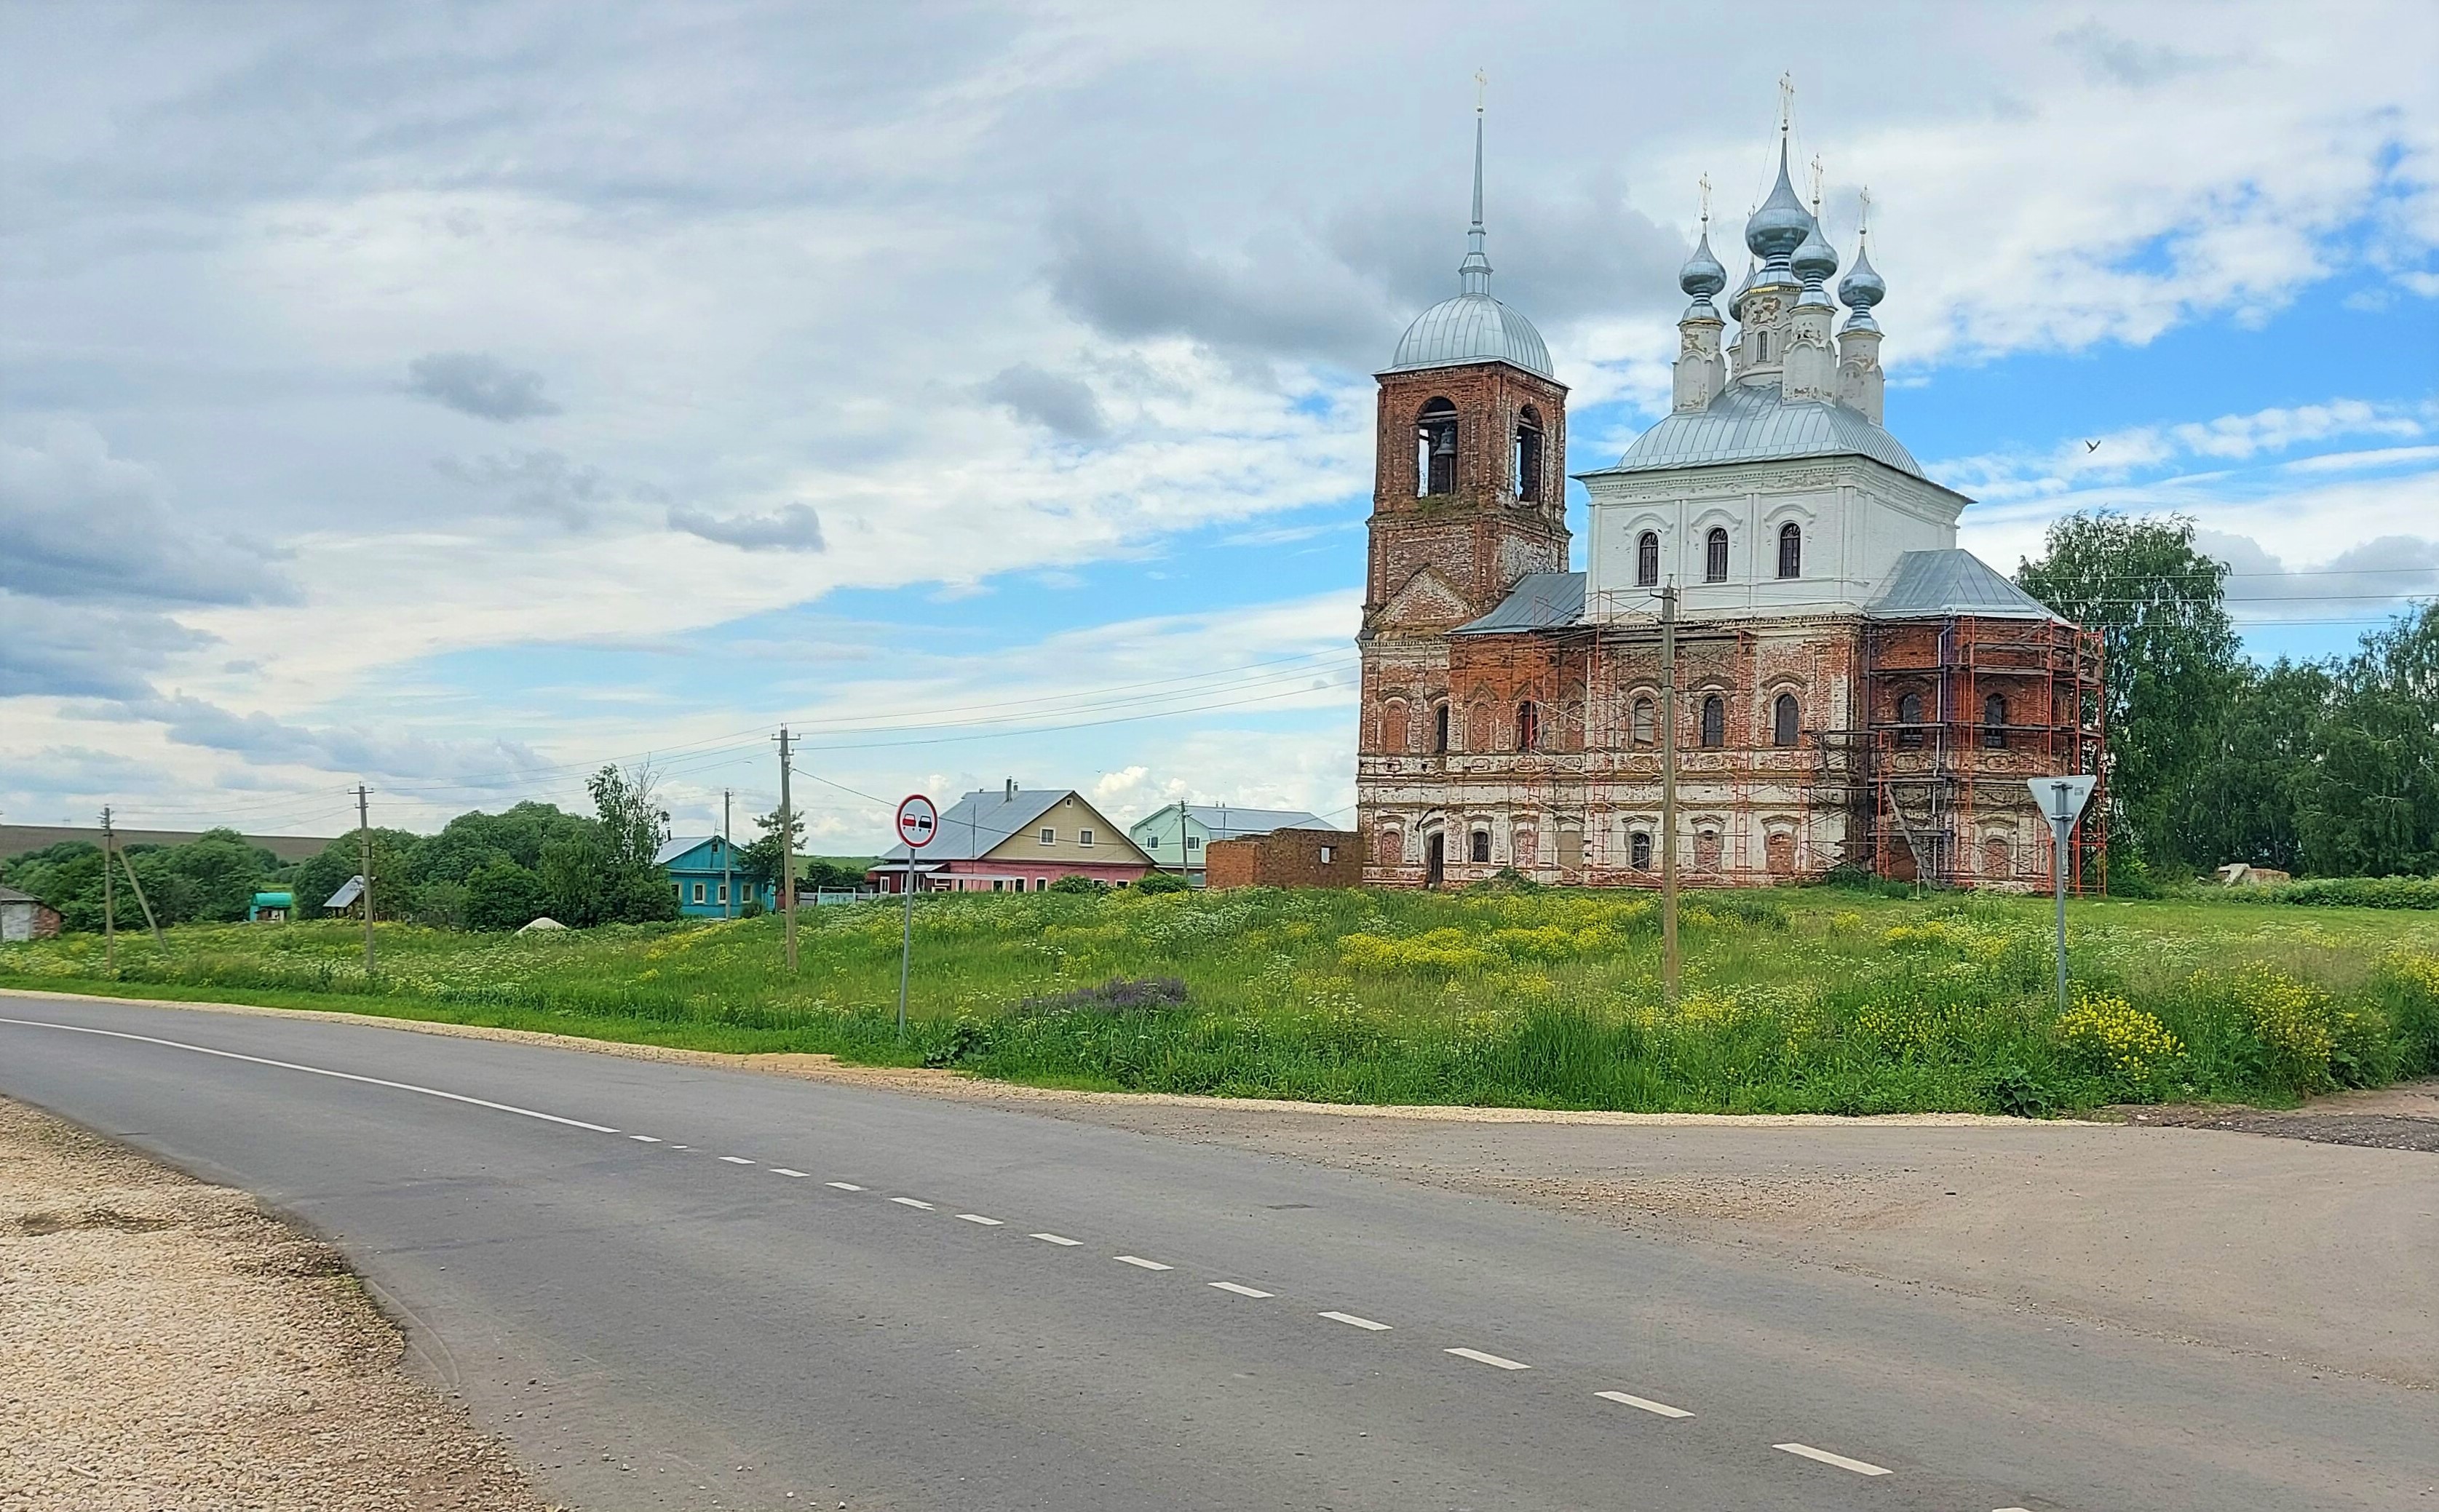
{"x":452,"y":399}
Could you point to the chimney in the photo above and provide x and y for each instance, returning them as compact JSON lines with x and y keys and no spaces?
{"x":1011,"y":789}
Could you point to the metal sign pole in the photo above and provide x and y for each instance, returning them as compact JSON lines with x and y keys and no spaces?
{"x":2060,"y":801}
{"x":906,"y":943}
{"x":919,"y":821}
{"x":2061,"y":830}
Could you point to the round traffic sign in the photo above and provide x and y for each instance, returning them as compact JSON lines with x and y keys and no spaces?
{"x":917,"y":821}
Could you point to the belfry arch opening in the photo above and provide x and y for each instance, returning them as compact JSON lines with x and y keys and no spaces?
{"x":1435,"y":431}
{"x":1528,"y":455}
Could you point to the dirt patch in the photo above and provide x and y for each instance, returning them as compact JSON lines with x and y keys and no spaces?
{"x":2405,"y":1117}
{"x":164,"y":1343}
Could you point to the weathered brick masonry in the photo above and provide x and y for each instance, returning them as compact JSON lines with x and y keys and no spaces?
{"x":1285,"y":858}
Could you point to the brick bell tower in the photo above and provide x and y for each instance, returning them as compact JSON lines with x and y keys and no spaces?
{"x":1469,"y":496}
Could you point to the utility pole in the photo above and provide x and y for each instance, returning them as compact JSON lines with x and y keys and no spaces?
{"x":787,"y":852}
{"x":141,"y":901}
{"x":109,"y":900}
{"x":727,"y":856}
{"x":1669,"y":965}
{"x":364,"y":846}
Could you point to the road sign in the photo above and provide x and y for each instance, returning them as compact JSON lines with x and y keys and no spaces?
{"x":2061,"y":799}
{"x":917,"y":821}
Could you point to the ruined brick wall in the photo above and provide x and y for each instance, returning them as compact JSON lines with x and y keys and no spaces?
{"x":1285,"y":858}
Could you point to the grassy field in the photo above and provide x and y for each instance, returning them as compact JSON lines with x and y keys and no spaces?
{"x":1811,"y":1000}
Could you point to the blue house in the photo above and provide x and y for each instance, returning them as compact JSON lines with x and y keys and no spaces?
{"x":699,"y":867}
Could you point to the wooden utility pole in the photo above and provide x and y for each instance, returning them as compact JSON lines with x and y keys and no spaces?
{"x":1669,"y":972}
{"x":109,"y":899}
{"x":727,"y":855}
{"x":141,"y":901}
{"x":364,"y":846}
{"x":787,"y":852}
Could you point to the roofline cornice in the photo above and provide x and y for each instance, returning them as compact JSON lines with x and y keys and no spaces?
{"x":1469,"y":361}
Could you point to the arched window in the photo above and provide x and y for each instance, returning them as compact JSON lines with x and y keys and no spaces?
{"x":1528,"y":453}
{"x":1714,"y":556}
{"x":1528,"y":726}
{"x":1393,"y":846}
{"x":1909,"y":719}
{"x":1643,"y":722}
{"x":1715,"y":720}
{"x":1783,"y":716}
{"x":1439,"y":729}
{"x":1790,"y":550}
{"x":1994,"y":721}
{"x":1394,"y":728}
{"x":1646,"y":559}
{"x":1435,"y":448}
{"x":1481,"y":842}
{"x":1638,"y":850}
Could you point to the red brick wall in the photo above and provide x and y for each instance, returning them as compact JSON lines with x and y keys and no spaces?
{"x":1285,"y":858}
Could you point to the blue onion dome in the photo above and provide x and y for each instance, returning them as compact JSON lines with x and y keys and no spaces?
{"x":1779,"y":227}
{"x":1703,"y":277}
{"x":1814,"y":259}
{"x":1861,"y":289}
{"x":1737,"y":301}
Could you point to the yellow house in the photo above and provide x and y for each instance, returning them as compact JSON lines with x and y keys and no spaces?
{"x":1015,"y":840}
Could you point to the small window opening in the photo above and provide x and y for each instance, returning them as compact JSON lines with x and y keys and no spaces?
{"x":1528,"y":726}
{"x":1435,"y":448}
{"x":1049,"y":836}
{"x":1528,"y":455}
{"x":1784,"y":714}
{"x":1715,"y":721}
{"x":1714,"y":556}
{"x":1646,"y":559}
{"x":1324,"y":855}
{"x":1790,"y":550}
{"x":1440,"y":729}
{"x":1481,"y":842}
{"x":1994,"y":721}
{"x":1638,"y":849}
{"x":1083,"y":837}
{"x":1909,"y":719}
{"x":1643,"y":722}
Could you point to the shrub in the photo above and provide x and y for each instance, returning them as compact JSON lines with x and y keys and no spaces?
{"x":1155,"y":883}
{"x":2113,"y":1037}
{"x":1077,"y":883}
{"x":2351,"y":892}
{"x":1117,"y":995}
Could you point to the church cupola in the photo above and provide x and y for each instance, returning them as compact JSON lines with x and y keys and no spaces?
{"x":1811,"y":371}
{"x":1764,"y":305}
{"x":1701,"y":373}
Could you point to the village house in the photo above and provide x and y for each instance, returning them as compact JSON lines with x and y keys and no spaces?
{"x":701,"y":869}
{"x":1851,"y":688}
{"x":24,"y":916}
{"x":1175,"y":837}
{"x":1015,"y":840}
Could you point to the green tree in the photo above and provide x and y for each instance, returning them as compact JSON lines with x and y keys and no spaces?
{"x":474,"y":840}
{"x":2374,"y":807}
{"x":757,"y":860}
{"x":2261,"y":772}
{"x":319,"y":876}
{"x":2173,"y":661}
{"x":66,"y":876}
{"x":500,"y":895}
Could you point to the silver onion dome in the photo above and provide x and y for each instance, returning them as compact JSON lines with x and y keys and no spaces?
{"x":1861,"y":289}
{"x":1703,"y":277}
{"x":1779,"y":227}
{"x":1814,"y":259}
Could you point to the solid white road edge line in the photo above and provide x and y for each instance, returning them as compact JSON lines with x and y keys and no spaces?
{"x":1501,"y":1361}
{"x":844,"y":1186}
{"x":977,"y":1218}
{"x":646,"y":1139}
{"x":1243,"y":1291}
{"x":1054,"y":1239}
{"x":1142,"y":1263}
{"x":737,"y":1160}
{"x":1644,"y":1402}
{"x":318,"y":1071}
{"x":911,"y":1201}
{"x":782,"y":1170}
{"x":1353,"y":1321}
{"x":1859,"y":1467}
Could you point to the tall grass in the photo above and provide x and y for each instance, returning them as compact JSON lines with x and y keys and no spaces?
{"x":1798,"y":1001}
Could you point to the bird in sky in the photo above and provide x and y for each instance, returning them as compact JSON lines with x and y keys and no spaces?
{"x":2090,"y":447}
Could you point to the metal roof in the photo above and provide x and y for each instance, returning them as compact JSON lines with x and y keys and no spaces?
{"x":10,"y":895}
{"x":1225,"y":820}
{"x":349,"y":892}
{"x":671,"y":849}
{"x":1754,"y":422}
{"x":1471,"y":327}
{"x":1540,"y":601}
{"x":1934,"y":584}
{"x":982,"y":819}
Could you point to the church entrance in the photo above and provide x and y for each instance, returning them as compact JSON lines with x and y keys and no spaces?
{"x":1435,"y":859}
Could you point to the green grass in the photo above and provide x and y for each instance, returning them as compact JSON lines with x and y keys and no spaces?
{"x":1808,"y":1000}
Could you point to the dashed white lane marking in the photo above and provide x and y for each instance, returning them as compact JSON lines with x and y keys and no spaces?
{"x":318,"y":1071}
{"x":1644,"y":1402}
{"x":844,"y":1186}
{"x":1243,"y":1291}
{"x":1055,"y":1238}
{"x":1142,"y":1263}
{"x":1353,"y":1321}
{"x":911,"y":1201}
{"x":1501,"y":1361}
{"x":737,"y":1160}
{"x":646,"y":1139}
{"x":1859,"y":1467}
{"x":977,"y":1218}
{"x":782,"y":1170}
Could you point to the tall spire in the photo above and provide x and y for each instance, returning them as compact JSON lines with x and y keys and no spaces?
{"x":1475,"y":270}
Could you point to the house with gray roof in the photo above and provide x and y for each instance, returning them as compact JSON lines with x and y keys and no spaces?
{"x":1175,"y":836}
{"x":1014,"y":840}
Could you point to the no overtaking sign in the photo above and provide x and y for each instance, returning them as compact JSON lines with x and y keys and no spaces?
{"x":917,"y":821}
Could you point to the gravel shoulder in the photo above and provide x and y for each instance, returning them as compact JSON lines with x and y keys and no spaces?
{"x":166,"y":1345}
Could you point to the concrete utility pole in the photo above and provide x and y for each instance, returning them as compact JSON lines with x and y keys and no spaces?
{"x":141,"y":901}
{"x":109,"y":900}
{"x":727,"y":856}
{"x":364,"y":848}
{"x":1669,"y":972}
{"x":787,"y":852}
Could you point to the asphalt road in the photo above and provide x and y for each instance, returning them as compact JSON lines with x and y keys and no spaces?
{"x":676,"y":1287}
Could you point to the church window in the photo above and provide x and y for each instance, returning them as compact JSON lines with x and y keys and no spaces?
{"x":1714,"y":556}
{"x":1439,"y":729}
{"x":1643,"y":721}
{"x":1481,"y":852}
{"x":1994,"y":721}
{"x":1638,"y":849}
{"x":1783,"y":716}
{"x":1790,"y":550}
{"x":1528,"y":726}
{"x":1646,"y":559}
{"x":1715,"y":721}
{"x":1395,"y":733}
{"x":1528,"y":455}
{"x":1910,"y":720}
{"x":1435,"y":448}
